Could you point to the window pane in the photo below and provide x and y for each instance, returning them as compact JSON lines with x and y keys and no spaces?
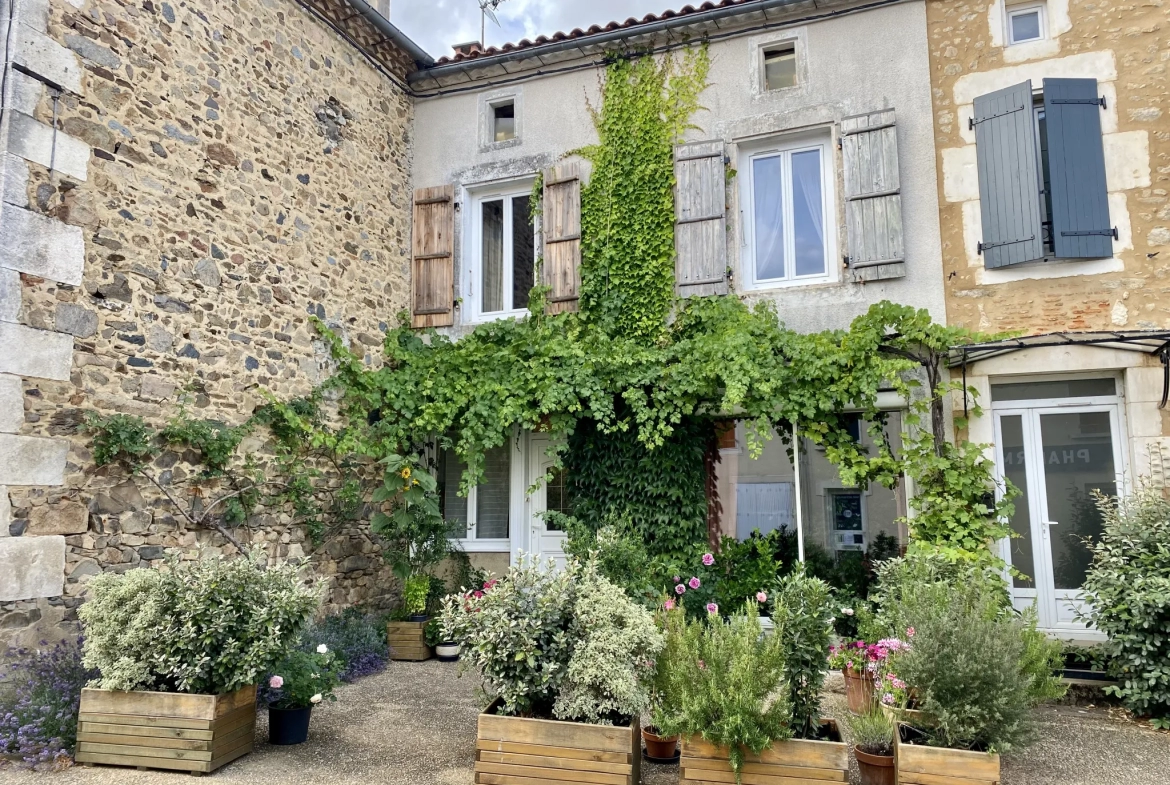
{"x":504,"y":118}
{"x":1025,"y":26}
{"x":523,"y":251}
{"x":1015,"y":470}
{"x":556,"y":497}
{"x":493,"y":495}
{"x":780,"y":68}
{"x":768,"y":217}
{"x":1069,"y":388}
{"x":492,"y":284}
{"x":454,"y":506}
{"x":808,"y":213}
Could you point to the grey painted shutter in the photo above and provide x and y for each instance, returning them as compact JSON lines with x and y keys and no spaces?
{"x":432,"y":277}
{"x":873,"y":200}
{"x":1009,"y":180}
{"x":700,"y":222}
{"x":561,"y":227}
{"x":1076,"y":167}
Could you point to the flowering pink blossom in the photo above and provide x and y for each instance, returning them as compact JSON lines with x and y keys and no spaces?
{"x":909,"y":632}
{"x":694,"y":583}
{"x":708,"y":559}
{"x":712,"y":608}
{"x":680,"y":589}
{"x":276,"y":682}
{"x":668,"y":605}
{"x":477,"y":594}
{"x":677,"y":579}
{"x":761,"y":596}
{"x":490,"y":584}
{"x":702,"y":665}
{"x":849,"y":664}
{"x":888,"y":698}
{"x":898,"y":684}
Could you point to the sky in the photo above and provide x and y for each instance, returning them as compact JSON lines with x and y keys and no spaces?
{"x":437,"y":24}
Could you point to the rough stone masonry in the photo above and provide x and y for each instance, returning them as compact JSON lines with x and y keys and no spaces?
{"x":185,"y":184}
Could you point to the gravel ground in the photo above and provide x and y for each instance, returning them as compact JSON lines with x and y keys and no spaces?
{"x":415,"y":724}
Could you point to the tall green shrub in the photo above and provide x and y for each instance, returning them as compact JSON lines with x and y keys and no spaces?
{"x":1128,"y":588}
{"x":803,"y":610}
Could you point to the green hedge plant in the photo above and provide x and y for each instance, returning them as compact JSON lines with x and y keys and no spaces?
{"x":1128,"y":588}
{"x":803,"y":609}
{"x":205,"y":627}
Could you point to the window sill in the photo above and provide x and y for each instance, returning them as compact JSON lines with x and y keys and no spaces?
{"x":1048,"y":268}
{"x":776,"y":286}
{"x":484,"y":546}
{"x":495,"y":316}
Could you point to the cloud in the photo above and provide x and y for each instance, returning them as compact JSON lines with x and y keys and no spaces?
{"x":436,"y":25}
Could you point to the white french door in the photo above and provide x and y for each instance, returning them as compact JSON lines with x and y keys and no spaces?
{"x":545,"y":541}
{"x":1058,"y":453}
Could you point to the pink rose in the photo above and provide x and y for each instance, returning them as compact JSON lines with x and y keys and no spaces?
{"x":712,"y":608}
{"x":708,"y":559}
{"x":761,"y":596}
{"x":276,"y":682}
{"x":694,"y":583}
{"x":680,"y":589}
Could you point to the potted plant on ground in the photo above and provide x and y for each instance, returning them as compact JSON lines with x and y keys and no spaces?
{"x":445,"y":651}
{"x":851,"y":658}
{"x":873,"y":746}
{"x":416,"y":539}
{"x":180,"y":652}
{"x":299,"y":682}
{"x":666,"y":690}
{"x":565,"y":659}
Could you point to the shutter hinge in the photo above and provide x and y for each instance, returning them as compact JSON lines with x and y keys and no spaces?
{"x":972,"y":122}
{"x":981,"y":247}
{"x":847,"y":260}
{"x":1097,"y":101}
{"x":1093,"y":233}
{"x":840,"y":144}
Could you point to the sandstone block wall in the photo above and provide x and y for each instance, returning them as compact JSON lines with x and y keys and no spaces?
{"x":1126,"y":47}
{"x":221,"y":172}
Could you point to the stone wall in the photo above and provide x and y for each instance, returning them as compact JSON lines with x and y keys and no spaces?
{"x":1126,"y":47}
{"x":221,"y":172}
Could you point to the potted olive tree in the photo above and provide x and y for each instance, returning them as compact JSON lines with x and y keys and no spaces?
{"x":299,"y":682}
{"x":417,"y":539}
{"x":565,"y":659}
{"x":180,"y":653}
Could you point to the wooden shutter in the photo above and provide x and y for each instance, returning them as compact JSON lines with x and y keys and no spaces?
{"x":1076,"y":165}
{"x":873,"y":199}
{"x":432,"y":277}
{"x":1009,"y":181}
{"x":700,"y":223}
{"x":562,"y":236}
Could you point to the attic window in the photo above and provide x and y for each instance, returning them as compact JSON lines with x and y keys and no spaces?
{"x":504,"y":121}
{"x":779,"y":66}
{"x":1025,"y":23}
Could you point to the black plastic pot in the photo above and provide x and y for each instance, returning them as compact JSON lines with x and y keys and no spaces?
{"x":418,"y":617}
{"x":288,"y":726}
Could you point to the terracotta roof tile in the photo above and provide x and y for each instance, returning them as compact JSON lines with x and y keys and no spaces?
{"x":577,"y":32}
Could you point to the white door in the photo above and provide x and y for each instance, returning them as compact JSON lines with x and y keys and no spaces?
{"x":545,"y":540}
{"x":1058,"y":456}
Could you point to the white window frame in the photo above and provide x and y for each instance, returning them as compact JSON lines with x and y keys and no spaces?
{"x":789,"y":44}
{"x":1013,"y":11}
{"x":473,"y":312}
{"x":469,"y":543}
{"x":786,"y":146}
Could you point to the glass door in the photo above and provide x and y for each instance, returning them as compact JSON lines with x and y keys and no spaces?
{"x":1060,"y":457}
{"x":547,"y":540}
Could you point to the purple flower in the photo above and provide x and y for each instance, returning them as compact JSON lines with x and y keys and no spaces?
{"x":680,"y":589}
{"x":888,"y":699}
{"x":708,"y":559}
{"x":712,"y":608}
{"x":694,"y":583}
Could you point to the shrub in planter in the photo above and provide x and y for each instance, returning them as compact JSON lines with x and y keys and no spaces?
{"x":208,"y":630}
{"x":803,"y":611}
{"x":1128,"y":588}
{"x":39,"y":695}
{"x":299,"y":682}
{"x":357,"y":638}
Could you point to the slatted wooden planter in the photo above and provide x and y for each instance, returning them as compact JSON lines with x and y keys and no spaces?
{"x":793,"y":762}
{"x":408,"y":641}
{"x":518,"y":751}
{"x":917,"y":764}
{"x":165,"y":730}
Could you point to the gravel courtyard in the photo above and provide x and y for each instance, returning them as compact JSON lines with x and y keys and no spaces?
{"x":414,"y":724}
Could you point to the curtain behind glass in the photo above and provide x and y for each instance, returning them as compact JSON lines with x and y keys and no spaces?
{"x":493,"y":256}
{"x":523,"y":251}
{"x":807,"y":213}
{"x":454,"y":506}
{"x":493,"y":495}
{"x":768,"y":218}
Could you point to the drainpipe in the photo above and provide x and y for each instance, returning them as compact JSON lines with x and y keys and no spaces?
{"x":371,"y":14}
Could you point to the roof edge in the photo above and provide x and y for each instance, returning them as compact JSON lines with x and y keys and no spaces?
{"x":421,"y":57}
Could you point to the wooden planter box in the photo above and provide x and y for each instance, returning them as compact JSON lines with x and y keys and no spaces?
{"x":165,"y":730}
{"x":408,"y":641}
{"x":792,"y":762}
{"x":921,"y":765}
{"x":518,"y":751}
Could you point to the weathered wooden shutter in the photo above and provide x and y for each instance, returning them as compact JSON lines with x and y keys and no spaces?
{"x":1009,"y":180}
{"x":1076,"y":167}
{"x":873,"y":199}
{"x":562,"y":236}
{"x":700,"y":223}
{"x":432,"y":277}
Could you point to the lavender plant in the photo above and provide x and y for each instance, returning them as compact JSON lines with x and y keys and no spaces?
{"x":38,"y":703}
{"x":356,"y":637}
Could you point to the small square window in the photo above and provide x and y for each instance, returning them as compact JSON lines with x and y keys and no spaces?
{"x":1025,"y":23}
{"x":504,"y":122}
{"x":780,"y":67}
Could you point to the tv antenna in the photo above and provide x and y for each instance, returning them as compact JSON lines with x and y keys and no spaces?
{"x":487,"y":10}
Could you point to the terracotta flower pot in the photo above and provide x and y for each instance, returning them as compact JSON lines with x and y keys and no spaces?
{"x":875,"y":769}
{"x":858,"y":690}
{"x":659,"y":747}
